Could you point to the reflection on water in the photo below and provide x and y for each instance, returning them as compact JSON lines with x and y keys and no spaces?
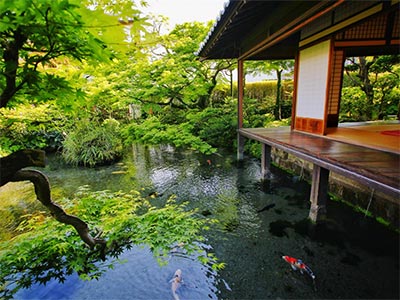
{"x":140,"y":277}
{"x":351,"y":256}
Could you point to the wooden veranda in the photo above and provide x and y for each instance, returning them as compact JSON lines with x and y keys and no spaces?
{"x":378,"y":169}
{"x":318,"y":35}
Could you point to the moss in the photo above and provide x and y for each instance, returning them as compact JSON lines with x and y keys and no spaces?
{"x":359,"y":209}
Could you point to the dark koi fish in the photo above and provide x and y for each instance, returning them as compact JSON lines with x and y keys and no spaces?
{"x":268,"y":207}
{"x":297,"y":264}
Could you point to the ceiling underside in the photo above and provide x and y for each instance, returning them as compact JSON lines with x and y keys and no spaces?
{"x":246,"y":23}
{"x":262,"y":30}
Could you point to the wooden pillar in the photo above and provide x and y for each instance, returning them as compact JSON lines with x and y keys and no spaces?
{"x":319,"y":193}
{"x":265,"y":161}
{"x":240,"y":146}
{"x":240,"y":93}
{"x":294,"y":98}
{"x":240,"y":139}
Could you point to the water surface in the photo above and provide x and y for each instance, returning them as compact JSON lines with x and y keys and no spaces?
{"x":352,"y":256}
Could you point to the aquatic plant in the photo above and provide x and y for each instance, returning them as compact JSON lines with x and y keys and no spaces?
{"x":92,"y":143}
{"x":226,"y":210}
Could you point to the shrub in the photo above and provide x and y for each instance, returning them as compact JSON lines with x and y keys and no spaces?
{"x":216,"y":126}
{"x":152,"y":132}
{"x":30,"y":126}
{"x":92,"y":143}
{"x":353,"y":105}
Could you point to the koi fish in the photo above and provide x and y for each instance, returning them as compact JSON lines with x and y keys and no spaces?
{"x":297,"y":264}
{"x":176,"y":282}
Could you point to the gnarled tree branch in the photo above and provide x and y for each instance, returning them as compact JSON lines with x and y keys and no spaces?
{"x":10,"y":168}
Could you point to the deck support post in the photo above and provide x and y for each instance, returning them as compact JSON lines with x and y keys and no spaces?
{"x":265,"y":161}
{"x":240,"y":84}
{"x":240,"y":146}
{"x":319,"y":193}
{"x":240,"y":138}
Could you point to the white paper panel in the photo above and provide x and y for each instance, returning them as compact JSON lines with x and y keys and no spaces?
{"x":312,"y":79}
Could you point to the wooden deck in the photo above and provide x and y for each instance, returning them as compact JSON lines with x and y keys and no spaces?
{"x":374,"y":164}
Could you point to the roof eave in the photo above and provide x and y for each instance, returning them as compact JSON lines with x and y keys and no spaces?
{"x":230,"y":10}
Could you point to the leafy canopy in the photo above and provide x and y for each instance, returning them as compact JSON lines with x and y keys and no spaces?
{"x":33,"y":33}
{"x":172,"y":74}
{"x":46,"y":249}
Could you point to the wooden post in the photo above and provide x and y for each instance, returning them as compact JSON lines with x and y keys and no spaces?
{"x":240,"y":139}
{"x":319,"y":193}
{"x":240,"y":146}
{"x":265,"y":161}
{"x":240,"y":93}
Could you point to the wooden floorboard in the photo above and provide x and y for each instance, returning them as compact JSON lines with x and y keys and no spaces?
{"x":376,"y":168}
{"x":370,"y":136}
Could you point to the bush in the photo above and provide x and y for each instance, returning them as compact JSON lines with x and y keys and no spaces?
{"x":153,"y":132}
{"x":93,"y":144}
{"x":260,"y":90}
{"x":353,"y":105}
{"x":216,"y":126}
{"x":30,"y":126}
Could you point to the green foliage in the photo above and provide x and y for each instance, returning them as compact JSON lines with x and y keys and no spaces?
{"x":353,"y":105}
{"x":370,"y":88}
{"x":226,"y":210}
{"x":202,"y":130}
{"x":118,"y":23}
{"x":108,"y":89}
{"x":172,"y":74}
{"x":216,"y":126}
{"x":30,"y":126}
{"x":11,"y":211}
{"x":253,"y":147}
{"x":92,"y":143}
{"x":46,"y":249}
{"x":152,"y":132}
{"x":261,"y":89}
{"x":260,"y":94}
{"x":36,"y":32}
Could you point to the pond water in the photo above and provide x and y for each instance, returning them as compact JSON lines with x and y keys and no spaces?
{"x":351,"y":255}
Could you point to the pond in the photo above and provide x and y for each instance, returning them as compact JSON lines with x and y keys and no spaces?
{"x":351,"y":255}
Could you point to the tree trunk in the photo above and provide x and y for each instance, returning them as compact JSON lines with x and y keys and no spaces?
{"x":16,"y":161}
{"x":204,"y":101}
{"x":231,"y":81}
{"x":278,"y":105}
{"x":366,"y":85}
{"x":11,"y":57}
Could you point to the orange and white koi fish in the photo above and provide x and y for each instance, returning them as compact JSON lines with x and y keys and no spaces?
{"x":176,"y":282}
{"x":297,"y":264}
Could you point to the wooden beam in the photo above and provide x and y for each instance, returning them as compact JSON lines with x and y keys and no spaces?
{"x":325,"y":161}
{"x":319,"y":193}
{"x":341,"y":25}
{"x":294,"y":26}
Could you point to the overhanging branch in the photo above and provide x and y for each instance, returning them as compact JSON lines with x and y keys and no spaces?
{"x":10,"y":168}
